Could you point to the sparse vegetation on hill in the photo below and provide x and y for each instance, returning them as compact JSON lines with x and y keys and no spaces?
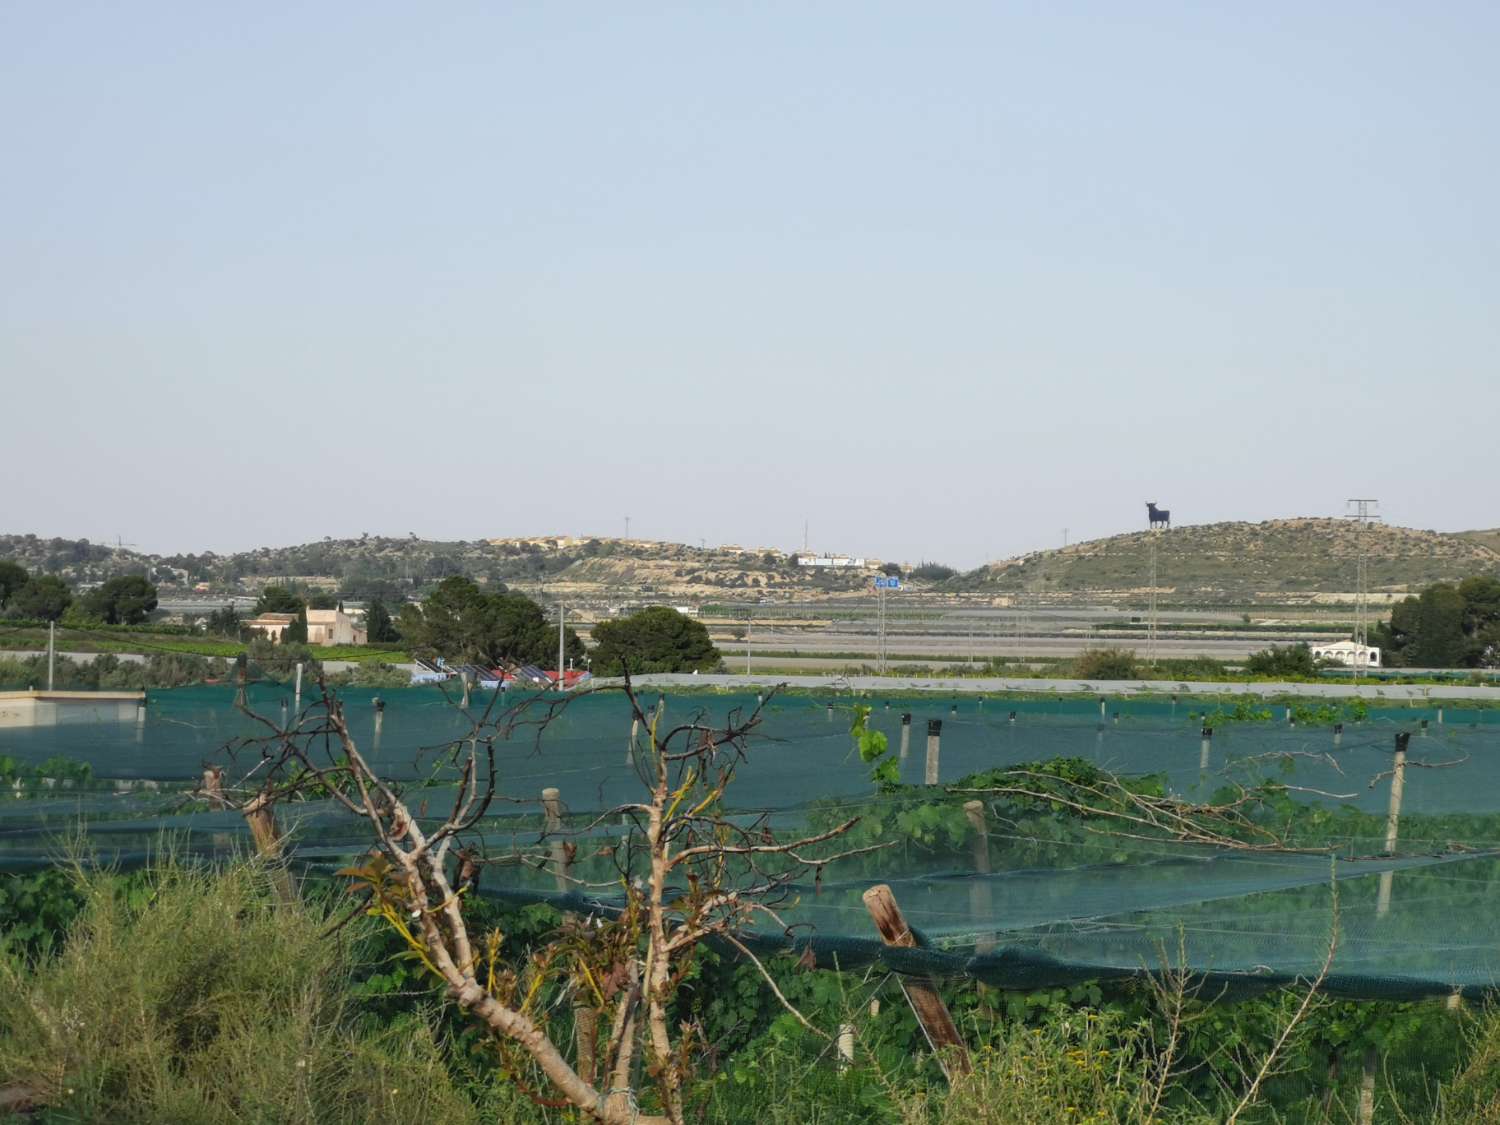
{"x":394,"y":568}
{"x":1243,"y":562}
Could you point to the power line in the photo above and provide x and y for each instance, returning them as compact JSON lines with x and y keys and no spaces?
{"x":1361,"y":510}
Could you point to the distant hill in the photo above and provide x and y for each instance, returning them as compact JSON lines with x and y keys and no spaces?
{"x":1278,"y":561}
{"x":596,"y":569}
{"x":1291,"y":559}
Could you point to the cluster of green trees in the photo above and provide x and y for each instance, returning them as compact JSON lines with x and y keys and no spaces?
{"x":458,"y":621}
{"x":379,"y":625}
{"x":461,"y":622}
{"x":1292,"y":662}
{"x":1445,"y":626}
{"x":126,"y":600}
{"x":658,"y":639}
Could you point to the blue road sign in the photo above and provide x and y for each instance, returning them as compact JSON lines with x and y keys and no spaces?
{"x":887,"y":583}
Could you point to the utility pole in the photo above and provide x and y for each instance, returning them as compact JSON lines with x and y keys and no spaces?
{"x":562,"y":679}
{"x":1362,"y":511}
{"x":749,"y":629}
{"x":1065,"y":538}
{"x":627,"y":527}
{"x":51,"y":651}
{"x":1151,"y":628}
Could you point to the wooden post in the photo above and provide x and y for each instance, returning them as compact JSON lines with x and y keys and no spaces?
{"x":934,"y":748}
{"x":1367,"y":1088}
{"x":981,"y":908}
{"x":241,"y":674}
{"x":552,"y":810}
{"x":921,"y":993}
{"x":905,"y":734}
{"x":464,"y":676}
{"x":260,"y":815}
{"x":212,"y":786}
{"x":585,"y":1018}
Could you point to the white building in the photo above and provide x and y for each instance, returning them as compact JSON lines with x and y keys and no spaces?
{"x":1349,"y":654}
{"x":333,"y":627}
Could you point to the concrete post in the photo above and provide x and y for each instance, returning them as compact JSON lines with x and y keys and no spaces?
{"x":934,"y":747}
{"x":905,"y":734}
{"x":1393,"y":821}
{"x":981,"y":909}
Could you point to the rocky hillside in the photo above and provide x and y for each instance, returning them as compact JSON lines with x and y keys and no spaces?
{"x":1278,"y":560}
{"x":1490,"y":538}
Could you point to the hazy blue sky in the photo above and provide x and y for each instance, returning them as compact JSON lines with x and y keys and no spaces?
{"x":941,"y":279}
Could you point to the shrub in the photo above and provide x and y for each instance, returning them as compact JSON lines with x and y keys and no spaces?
{"x":1283,"y":660}
{"x":1106,"y":664}
{"x":201,"y":997}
